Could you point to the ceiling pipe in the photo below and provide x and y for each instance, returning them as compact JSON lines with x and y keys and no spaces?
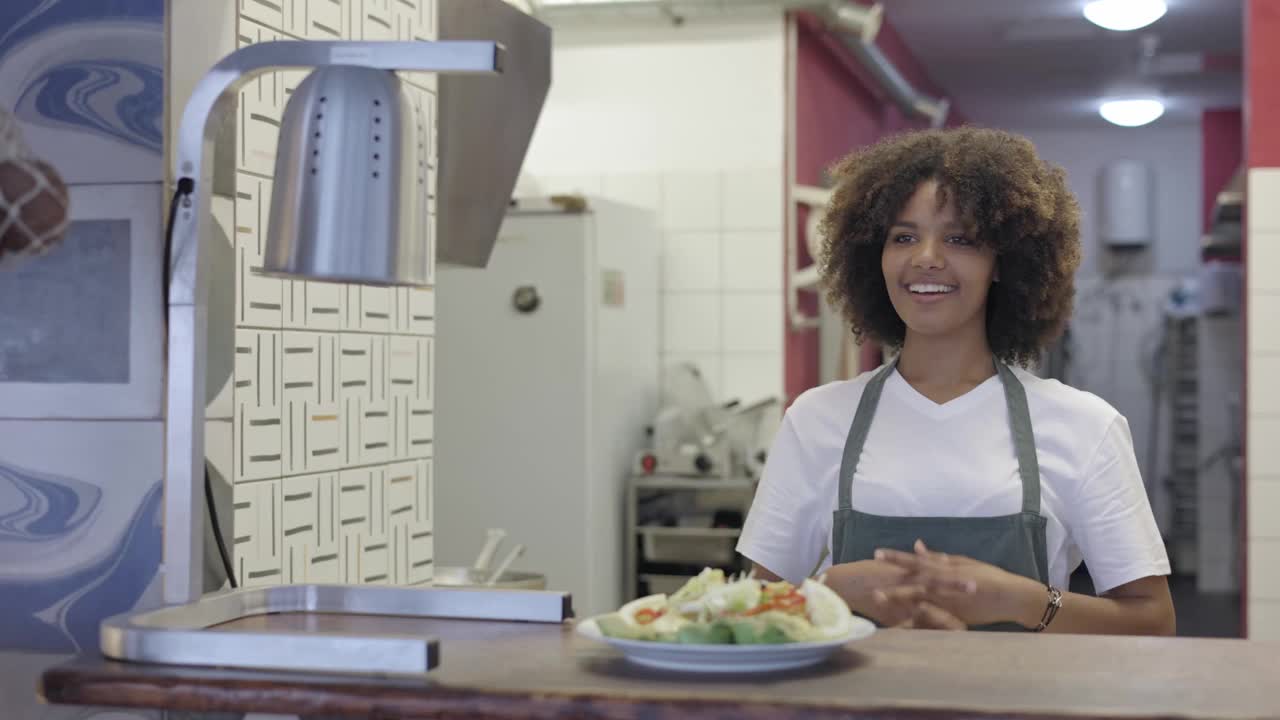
{"x":857,"y":26}
{"x":854,"y":23}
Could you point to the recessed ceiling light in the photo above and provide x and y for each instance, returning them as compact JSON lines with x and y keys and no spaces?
{"x":1124,"y":14}
{"x":1132,"y":112}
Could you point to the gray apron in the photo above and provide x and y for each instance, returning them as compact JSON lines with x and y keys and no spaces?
{"x":1013,"y":542}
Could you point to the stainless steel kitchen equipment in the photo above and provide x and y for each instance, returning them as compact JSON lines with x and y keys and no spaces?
{"x":479,"y":574}
{"x":181,"y":635}
{"x":696,"y":436}
{"x":347,"y":98}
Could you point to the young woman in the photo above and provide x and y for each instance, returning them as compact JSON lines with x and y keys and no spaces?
{"x":951,"y":488}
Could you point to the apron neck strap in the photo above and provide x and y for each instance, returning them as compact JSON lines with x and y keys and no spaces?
{"x":1024,"y":444}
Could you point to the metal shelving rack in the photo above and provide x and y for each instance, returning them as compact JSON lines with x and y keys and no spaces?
{"x":635,"y":532}
{"x":1184,"y":461}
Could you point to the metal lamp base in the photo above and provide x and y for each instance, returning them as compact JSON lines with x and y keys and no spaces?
{"x":181,"y":635}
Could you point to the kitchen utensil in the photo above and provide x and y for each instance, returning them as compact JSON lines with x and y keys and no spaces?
{"x":516,"y":552}
{"x":464,"y":577}
{"x":493,"y":539}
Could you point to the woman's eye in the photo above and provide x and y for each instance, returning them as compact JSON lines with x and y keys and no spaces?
{"x":901,"y":239}
{"x":959,"y":240}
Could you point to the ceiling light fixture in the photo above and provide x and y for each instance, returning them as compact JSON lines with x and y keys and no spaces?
{"x":1132,"y":112}
{"x":1124,"y":15}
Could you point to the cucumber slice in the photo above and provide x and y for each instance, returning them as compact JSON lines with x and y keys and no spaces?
{"x":716,"y":633}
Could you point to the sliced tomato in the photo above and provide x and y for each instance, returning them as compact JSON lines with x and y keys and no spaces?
{"x":792,"y":603}
{"x":646,"y":615}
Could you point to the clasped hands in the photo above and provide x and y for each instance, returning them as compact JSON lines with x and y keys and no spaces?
{"x":931,"y":590}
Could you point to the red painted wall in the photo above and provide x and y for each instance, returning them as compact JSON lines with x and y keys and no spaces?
{"x":1222,"y":148}
{"x":838,"y":109}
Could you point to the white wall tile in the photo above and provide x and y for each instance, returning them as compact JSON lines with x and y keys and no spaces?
{"x":294,"y":304}
{"x":1263,"y":211}
{"x":752,"y":322}
{"x":1264,"y":258}
{"x":258,"y":299}
{"x":402,"y":492}
{"x":1264,"y":451}
{"x":355,"y":507}
{"x":222,"y":404}
{"x":1264,"y":620}
{"x":258,"y":534}
{"x":421,"y":554}
{"x":639,"y":189}
{"x":313,"y":431}
{"x":691,"y":261}
{"x":1264,"y":383}
{"x":265,"y":12}
{"x":1264,"y":569}
{"x":401,"y":503}
{"x":257,"y":418}
{"x":753,"y":200}
{"x":320,"y":555}
{"x":324,"y":305}
{"x":422,"y":311}
{"x":1264,"y":509}
{"x":376,"y":19}
{"x":752,"y":377}
{"x":375,"y":309}
{"x":375,"y":559}
{"x":300,"y":525}
{"x":329,"y":20}
{"x":710,"y":365}
{"x":691,"y":201}
{"x":260,"y":110}
{"x":409,"y":370}
{"x":752,"y":260}
{"x":1264,"y":331}
{"x":691,"y":322}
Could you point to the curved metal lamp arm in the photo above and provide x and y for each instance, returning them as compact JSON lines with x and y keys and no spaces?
{"x":188,"y":290}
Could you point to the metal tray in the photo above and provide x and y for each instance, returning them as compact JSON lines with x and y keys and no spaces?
{"x":182,"y":634}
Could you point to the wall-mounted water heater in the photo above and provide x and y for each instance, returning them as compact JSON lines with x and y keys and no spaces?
{"x":1126,"y":207}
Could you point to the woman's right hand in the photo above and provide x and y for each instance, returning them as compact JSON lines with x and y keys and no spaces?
{"x":857,"y":582}
{"x":860,"y":582}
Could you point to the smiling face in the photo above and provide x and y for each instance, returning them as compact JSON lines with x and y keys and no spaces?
{"x":937,"y":274}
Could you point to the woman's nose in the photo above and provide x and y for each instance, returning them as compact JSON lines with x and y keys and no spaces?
{"x":928,"y":254}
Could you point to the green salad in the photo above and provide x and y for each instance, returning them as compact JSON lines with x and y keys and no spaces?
{"x":711,"y":609}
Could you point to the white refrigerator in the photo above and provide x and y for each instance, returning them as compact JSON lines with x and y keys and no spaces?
{"x":547,"y":378}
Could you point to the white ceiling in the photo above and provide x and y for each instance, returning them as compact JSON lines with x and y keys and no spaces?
{"x":1039,"y":63}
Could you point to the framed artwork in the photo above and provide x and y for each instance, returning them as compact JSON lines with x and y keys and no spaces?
{"x":81,"y":327}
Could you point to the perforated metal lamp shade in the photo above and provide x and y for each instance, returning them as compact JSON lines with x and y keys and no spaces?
{"x":350,"y":201}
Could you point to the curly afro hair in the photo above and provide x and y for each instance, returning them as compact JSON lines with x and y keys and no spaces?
{"x":1011,"y":201}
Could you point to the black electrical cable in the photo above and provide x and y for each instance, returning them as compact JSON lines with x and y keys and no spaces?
{"x":217,"y":529}
{"x":185,"y":188}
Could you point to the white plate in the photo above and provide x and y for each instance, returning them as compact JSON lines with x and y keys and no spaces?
{"x":727,"y":658}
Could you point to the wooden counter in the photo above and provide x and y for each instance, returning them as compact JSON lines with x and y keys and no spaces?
{"x":492,"y":670}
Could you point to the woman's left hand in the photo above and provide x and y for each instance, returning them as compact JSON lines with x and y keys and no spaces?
{"x":977,"y":593}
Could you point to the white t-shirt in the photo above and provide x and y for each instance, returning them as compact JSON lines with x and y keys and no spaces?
{"x":957,"y":460}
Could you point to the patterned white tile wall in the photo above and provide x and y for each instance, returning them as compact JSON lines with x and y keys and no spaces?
{"x":333,"y":421}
